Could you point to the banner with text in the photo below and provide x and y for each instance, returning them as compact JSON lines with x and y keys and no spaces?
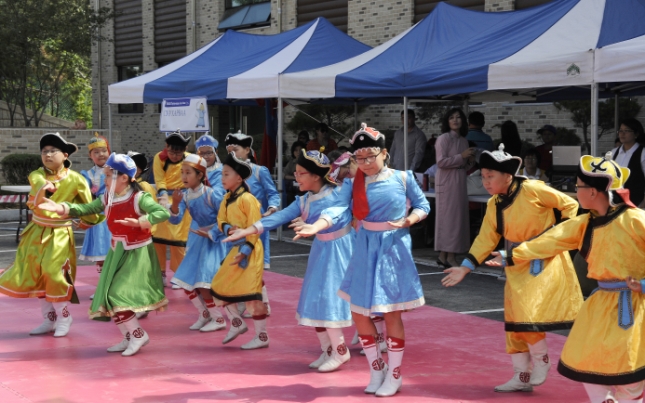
{"x":185,"y":114}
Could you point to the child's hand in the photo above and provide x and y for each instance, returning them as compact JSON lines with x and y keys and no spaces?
{"x":238,"y":259}
{"x":176,"y":197}
{"x":232,"y":230}
{"x":270,"y":211}
{"x":239,"y":234}
{"x":297,"y":222}
{"x":497,"y":261}
{"x":129,"y":222}
{"x":455,"y":275}
{"x":633,"y":284}
{"x":403,"y":223}
{"x":50,"y":205}
{"x":304,"y":231}
{"x":201,"y":232}
{"x":49,"y":187}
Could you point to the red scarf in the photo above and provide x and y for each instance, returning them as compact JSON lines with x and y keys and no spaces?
{"x":624,"y":194}
{"x":359,"y":195}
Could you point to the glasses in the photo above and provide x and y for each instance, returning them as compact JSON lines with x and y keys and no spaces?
{"x":366,"y":160}
{"x":47,"y":153}
{"x":582,"y":187}
{"x":206,"y":154}
{"x":624,"y":131}
{"x":179,"y":153}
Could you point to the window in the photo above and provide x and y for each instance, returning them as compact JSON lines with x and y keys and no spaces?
{"x":170,"y":30}
{"x":126,"y":73}
{"x":245,"y":14}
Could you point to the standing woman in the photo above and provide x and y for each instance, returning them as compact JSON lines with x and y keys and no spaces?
{"x":381,"y":276}
{"x":630,"y":155}
{"x":454,"y":158}
{"x":511,"y":138}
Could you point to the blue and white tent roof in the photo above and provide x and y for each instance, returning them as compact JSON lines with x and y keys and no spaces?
{"x":564,"y":43}
{"x":241,"y":66}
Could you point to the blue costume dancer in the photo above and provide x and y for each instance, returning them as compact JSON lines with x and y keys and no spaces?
{"x":203,"y":254}
{"x":206,"y":147}
{"x":381,"y":276}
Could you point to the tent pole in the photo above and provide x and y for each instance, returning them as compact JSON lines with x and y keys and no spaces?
{"x":616,"y":113}
{"x":594,"y":119}
{"x":355,"y":115}
{"x":405,"y":133}
{"x":110,"y":123}
{"x":466,"y":106}
{"x":280,"y":152}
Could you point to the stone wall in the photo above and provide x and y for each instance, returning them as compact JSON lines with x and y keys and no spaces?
{"x":27,"y":141}
{"x":45,"y":121}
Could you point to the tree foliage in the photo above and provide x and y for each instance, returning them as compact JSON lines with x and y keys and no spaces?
{"x":581,"y":114}
{"x":339,"y":118}
{"x":45,"y":52}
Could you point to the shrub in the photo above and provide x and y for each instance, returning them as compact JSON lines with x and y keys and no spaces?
{"x":17,"y":167}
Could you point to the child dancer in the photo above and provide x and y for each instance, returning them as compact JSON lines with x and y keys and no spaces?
{"x":604,"y":349}
{"x":207,"y":149}
{"x":130,"y":281}
{"x":261,"y":186}
{"x":239,"y":278}
{"x":166,"y":167}
{"x":203,"y":255}
{"x":141,"y":162}
{"x":381,"y":276}
{"x":45,"y":265}
{"x":539,"y":295}
{"x":97,"y":237}
{"x":319,"y":306}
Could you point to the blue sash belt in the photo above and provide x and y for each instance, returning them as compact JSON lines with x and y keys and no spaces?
{"x":625,"y":308}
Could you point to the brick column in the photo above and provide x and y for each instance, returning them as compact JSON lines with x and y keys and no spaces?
{"x":148,"y":39}
{"x":374,"y":22}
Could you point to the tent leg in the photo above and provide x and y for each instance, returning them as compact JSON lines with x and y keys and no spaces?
{"x":594,"y":119}
{"x":466,"y":106}
{"x":280,"y":152}
{"x":616,"y":113}
{"x":405,"y":133}
{"x":110,"y":124}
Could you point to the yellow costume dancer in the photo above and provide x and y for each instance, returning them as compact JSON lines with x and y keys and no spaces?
{"x":239,"y":278}
{"x":166,"y":167}
{"x":45,"y":265}
{"x":605,"y":346}
{"x":539,"y":295}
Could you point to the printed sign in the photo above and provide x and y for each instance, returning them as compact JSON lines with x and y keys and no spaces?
{"x":185,"y":114}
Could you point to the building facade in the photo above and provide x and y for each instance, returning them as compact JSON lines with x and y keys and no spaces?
{"x":148,"y":34}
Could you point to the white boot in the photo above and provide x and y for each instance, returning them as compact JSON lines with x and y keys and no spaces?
{"x":141,"y":315}
{"x":261,"y":339}
{"x":238,"y":326}
{"x":138,"y":337}
{"x":241,"y":307}
{"x":522,"y":378}
{"x":217,"y":320}
{"x":204,"y":316}
{"x":325,"y":346}
{"x":123,"y":344}
{"x":340,"y":353}
{"x":541,"y":362}
{"x":600,"y":393}
{"x":378,"y":368}
{"x":393,"y":380}
{"x":49,"y":316}
{"x":355,"y":339}
{"x":64,"y":319}
{"x":380,"y":329}
{"x":265,"y":299}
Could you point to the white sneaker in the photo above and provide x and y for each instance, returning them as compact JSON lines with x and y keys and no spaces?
{"x":238,"y":327}
{"x":376,"y":379}
{"x":323,"y":357}
{"x":259,"y":341}
{"x":92,"y":296}
{"x":63,"y":324}
{"x":120,"y":347}
{"x":138,"y":339}
{"x":334,"y":362}
{"x":391,"y":385}
{"x":214,"y":325}
{"x":204,"y":318}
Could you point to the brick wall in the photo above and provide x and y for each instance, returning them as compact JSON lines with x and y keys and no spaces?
{"x":374,"y":22}
{"x":500,"y":5}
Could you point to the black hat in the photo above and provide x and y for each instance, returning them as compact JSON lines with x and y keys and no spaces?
{"x":140,"y":160}
{"x":315,"y":162}
{"x":500,"y":161}
{"x":243,"y":168}
{"x":239,"y":139}
{"x":55,"y":140}
{"x":367,"y":137}
{"x":177,"y":139}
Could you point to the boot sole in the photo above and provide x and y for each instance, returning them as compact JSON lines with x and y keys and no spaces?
{"x":242,"y":332}
{"x":514,"y":391}
{"x":254,"y":348}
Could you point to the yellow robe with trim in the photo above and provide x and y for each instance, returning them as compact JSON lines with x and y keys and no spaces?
{"x":597,"y":349}
{"x":170,"y":179}
{"x":45,"y":264}
{"x":148,"y":188}
{"x":551,"y":300}
{"x":233,"y":283}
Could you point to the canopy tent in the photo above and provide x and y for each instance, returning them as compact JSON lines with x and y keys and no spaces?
{"x":240,"y":66}
{"x":549,"y":52}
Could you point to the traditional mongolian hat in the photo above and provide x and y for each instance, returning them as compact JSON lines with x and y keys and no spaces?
{"x":367,"y":137}
{"x":315,"y":162}
{"x":55,"y":140}
{"x":140,"y":160}
{"x":500,"y":161}
{"x":177,"y":139}
{"x":123,"y":164}
{"x":239,"y":139}
{"x":98,"y":141}
{"x":195,"y":161}
{"x":243,"y":168}
{"x":605,"y":175}
{"x":206,"y":141}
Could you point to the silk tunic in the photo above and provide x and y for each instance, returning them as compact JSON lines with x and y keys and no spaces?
{"x":169,"y":179}
{"x":97,"y":238}
{"x":319,"y":304}
{"x":262,"y":187}
{"x":45,"y":264}
{"x":549,"y":297}
{"x":598,"y":350}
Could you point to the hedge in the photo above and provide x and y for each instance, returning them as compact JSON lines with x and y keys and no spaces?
{"x":17,"y":167}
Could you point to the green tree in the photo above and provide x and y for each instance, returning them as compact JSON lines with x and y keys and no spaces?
{"x":339,"y":118}
{"x":581,"y":114}
{"x":45,"y":51}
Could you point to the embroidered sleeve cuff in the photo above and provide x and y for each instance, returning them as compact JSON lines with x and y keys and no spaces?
{"x":469,"y":264}
{"x":65,"y":212}
{"x":259,"y":227}
{"x":144,"y":223}
{"x":246,"y":249}
{"x":419,"y":213}
{"x":327,"y":218}
{"x":273,"y":207}
{"x":162,"y":192}
{"x":225,"y":228}
{"x":505,"y":258}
